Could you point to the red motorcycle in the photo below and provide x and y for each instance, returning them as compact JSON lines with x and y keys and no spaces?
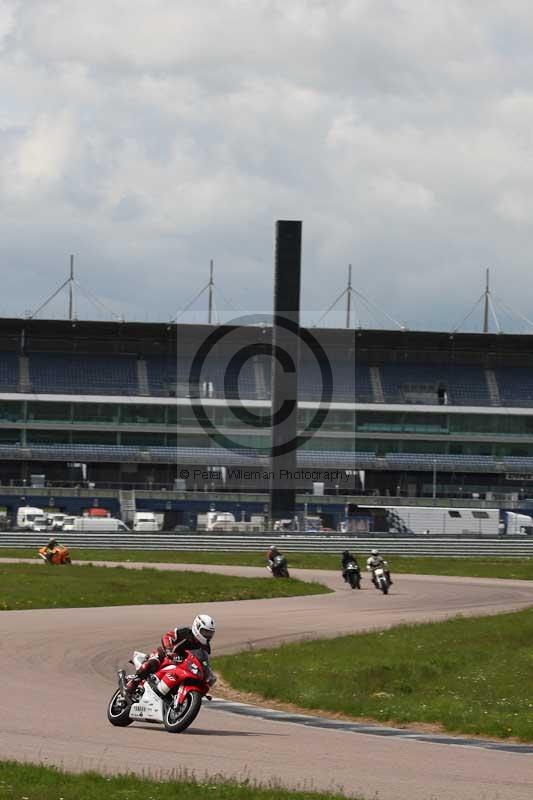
{"x":173,"y":695}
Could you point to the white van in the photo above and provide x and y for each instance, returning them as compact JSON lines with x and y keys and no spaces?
{"x":56,"y":520}
{"x":517,"y":524}
{"x":30,"y":518}
{"x":96,"y":525}
{"x":145,"y":521}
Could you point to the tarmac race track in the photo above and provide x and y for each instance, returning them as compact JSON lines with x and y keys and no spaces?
{"x":61,"y":673}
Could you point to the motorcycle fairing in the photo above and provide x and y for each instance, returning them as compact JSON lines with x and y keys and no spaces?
{"x":149,"y":707}
{"x":138,"y":658}
{"x":184,"y":690}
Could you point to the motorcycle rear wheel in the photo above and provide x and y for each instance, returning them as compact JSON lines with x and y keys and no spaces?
{"x":177,"y":719}
{"x":117,"y":713}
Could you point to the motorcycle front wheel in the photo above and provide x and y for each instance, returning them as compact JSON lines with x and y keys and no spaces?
{"x":177,"y":719}
{"x":118,"y":711}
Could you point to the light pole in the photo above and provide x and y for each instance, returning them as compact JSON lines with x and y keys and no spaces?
{"x":434,"y":481}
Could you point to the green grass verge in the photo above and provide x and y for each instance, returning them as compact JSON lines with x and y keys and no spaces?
{"x":25,"y":586}
{"x":473,"y":676}
{"x":521,"y":568}
{"x":47,"y":783}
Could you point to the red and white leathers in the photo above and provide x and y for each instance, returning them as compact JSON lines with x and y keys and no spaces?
{"x":174,"y":643}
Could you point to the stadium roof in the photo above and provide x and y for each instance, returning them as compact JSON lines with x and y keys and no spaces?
{"x":151,"y":338}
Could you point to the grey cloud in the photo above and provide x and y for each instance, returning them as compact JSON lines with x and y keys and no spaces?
{"x":151,"y":137}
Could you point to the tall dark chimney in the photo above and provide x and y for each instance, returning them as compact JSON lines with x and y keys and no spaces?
{"x":285,"y":339}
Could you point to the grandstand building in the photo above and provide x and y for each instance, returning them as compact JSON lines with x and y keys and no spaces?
{"x":100,"y":408}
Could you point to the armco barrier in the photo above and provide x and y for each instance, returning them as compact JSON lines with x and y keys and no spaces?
{"x":226,"y":542}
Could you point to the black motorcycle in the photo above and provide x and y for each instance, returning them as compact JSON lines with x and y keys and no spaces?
{"x":352,"y":575}
{"x":279,"y":567}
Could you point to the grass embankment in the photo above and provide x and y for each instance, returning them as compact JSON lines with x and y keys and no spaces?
{"x":521,"y":568}
{"x":473,"y":676}
{"x":25,"y":586}
{"x":46,"y":783}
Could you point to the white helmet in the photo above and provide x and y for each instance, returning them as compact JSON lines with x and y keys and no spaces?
{"x":203,"y":628}
{"x":375,"y":552}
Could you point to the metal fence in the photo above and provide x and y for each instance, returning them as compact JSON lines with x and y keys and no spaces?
{"x":444,"y":547}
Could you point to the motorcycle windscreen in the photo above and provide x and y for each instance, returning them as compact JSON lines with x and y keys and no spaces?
{"x":201,"y":655}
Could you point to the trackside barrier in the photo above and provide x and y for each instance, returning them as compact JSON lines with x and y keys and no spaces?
{"x":226,"y":542}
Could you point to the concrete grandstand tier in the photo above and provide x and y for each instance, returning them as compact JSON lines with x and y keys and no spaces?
{"x":97,"y":357}
{"x":107,"y":403}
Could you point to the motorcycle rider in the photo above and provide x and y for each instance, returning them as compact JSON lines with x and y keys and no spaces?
{"x":272,"y":553}
{"x":374,"y":561}
{"x":174,"y":643}
{"x":279,"y":569}
{"x":347,"y":558}
{"x":49,"y":548}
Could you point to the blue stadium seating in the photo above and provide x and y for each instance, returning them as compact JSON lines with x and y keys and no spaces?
{"x":363,"y":386}
{"x":442,"y":461}
{"x":83,"y":374}
{"x":518,"y":463}
{"x":175,"y":455}
{"x":350,"y":383}
{"x":229,"y":382}
{"x":465,"y":385}
{"x":9,"y":372}
{"x":401,"y":382}
{"x":163,"y":377}
{"x":170,"y":377}
{"x":515,"y":385}
{"x":216,"y":456}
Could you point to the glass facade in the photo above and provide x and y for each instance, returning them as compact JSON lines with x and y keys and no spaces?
{"x":377,"y":431}
{"x":47,"y":437}
{"x":11,"y":411}
{"x":93,"y":437}
{"x":95,"y":412}
{"x":10,"y":436}
{"x":139,"y":414}
{"x":143,"y":439}
{"x":341,"y":421}
{"x":49,"y":412}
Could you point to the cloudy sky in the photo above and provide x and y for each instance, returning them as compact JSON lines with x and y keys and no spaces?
{"x":149,"y":136}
